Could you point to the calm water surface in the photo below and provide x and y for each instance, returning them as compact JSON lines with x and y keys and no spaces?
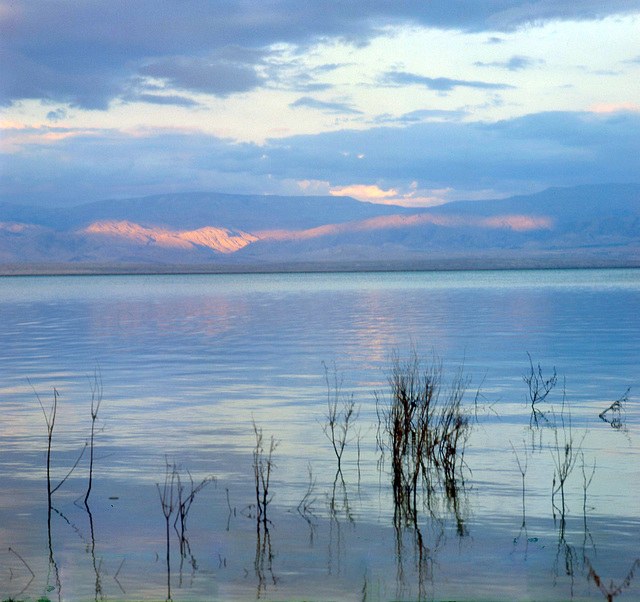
{"x":189,"y":363}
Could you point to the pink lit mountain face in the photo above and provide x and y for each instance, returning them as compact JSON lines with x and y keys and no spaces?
{"x":594,"y":221}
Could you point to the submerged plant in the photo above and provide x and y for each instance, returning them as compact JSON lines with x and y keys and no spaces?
{"x":263,"y":465}
{"x":423,"y":426}
{"x":25,"y":564}
{"x":175,"y":498}
{"x":614,"y":414}
{"x":184,"y":502}
{"x":522,"y":467}
{"x":168,"y":503}
{"x":305,"y":508}
{"x":341,"y":414}
{"x":539,"y":389}
{"x":96,"y":400}
{"x":611,"y":590}
{"x":565,"y":452}
{"x":50,"y":420}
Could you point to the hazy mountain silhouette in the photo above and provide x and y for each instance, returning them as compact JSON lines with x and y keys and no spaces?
{"x":595,"y":223}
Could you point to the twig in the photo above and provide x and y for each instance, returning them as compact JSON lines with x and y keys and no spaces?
{"x":96,"y":400}
{"x":341,"y":413}
{"x":33,"y":576}
{"x":71,"y":470}
{"x":23,"y":560}
{"x":617,"y":408}
{"x":115,"y":577}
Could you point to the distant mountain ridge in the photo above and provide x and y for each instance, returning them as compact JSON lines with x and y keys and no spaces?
{"x":589,"y":222}
{"x":202,"y":209}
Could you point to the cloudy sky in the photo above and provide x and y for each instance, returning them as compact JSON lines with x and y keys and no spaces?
{"x":410,"y":102}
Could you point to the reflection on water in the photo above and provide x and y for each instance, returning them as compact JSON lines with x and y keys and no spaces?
{"x":168,"y":382}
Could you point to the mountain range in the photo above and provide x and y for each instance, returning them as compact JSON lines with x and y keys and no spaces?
{"x":585,"y":225}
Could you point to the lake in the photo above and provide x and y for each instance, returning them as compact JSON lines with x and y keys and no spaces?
{"x":184,"y":372}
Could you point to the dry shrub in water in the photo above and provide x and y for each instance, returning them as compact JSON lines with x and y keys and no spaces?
{"x":539,"y":389}
{"x":263,"y":464}
{"x":341,"y":414}
{"x":423,"y":426}
{"x":614,"y":414}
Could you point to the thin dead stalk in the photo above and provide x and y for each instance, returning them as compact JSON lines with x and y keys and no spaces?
{"x":183,"y":505}
{"x":168,"y":503}
{"x":522,"y":467}
{"x":263,"y":466}
{"x":33,"y":576}
{"x":50,"y":421}
{"x":96,"y":400}
{"x":565,"y":453}
{"x":614,"y":414}
{"x":612,"y":590}
{"x":539,"y":389}
{"x":341,"y":414}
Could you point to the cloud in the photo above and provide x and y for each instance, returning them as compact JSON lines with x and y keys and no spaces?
{"x":58,"y":165}
{"x":363,"y":192}
{"x":537,"y":150}
{"x":515,"y":63}
{"x":23,"y":78}
{"x":169,"y":99}
{"x":305,"y":83}
{"x":211,"y":76}
{"x":328,"y":67}
{"x":514,"y":14}
{"x":295,"y":74}
{"x":601,"y":107}
{"x":440,"y":84}
{"x":403,"y":196}
{"x":83,"y":53}
{"x":57,"y":115}
{"x":422,"y":115}
{"x":326,"y":107}
{"x":17,"y":138}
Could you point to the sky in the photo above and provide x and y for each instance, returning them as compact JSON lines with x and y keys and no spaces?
{"x":406,"y":102}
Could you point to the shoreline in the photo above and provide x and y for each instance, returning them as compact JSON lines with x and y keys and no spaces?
{"x":427,"y":265}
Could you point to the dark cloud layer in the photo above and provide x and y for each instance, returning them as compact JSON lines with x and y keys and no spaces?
{"x":83,"y":53}
{"x":530,"y":152}
{"x":547,"y":148}
{"x":217,"y":77}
